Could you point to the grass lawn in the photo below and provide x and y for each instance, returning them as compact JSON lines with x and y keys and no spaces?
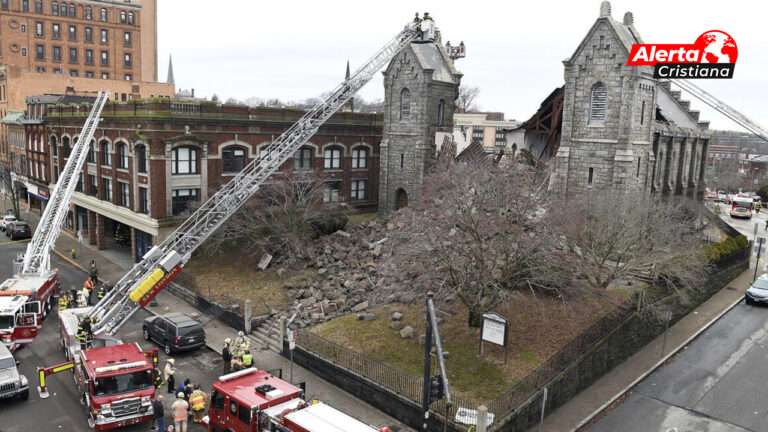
{"x":231,"y":278}
{"x":538,"y":328}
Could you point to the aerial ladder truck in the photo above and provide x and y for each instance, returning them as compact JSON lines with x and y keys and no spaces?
{"x":164,"y":262}
{"x":27,"y":297}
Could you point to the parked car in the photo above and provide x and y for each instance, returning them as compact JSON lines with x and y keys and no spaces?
{"x":6,"y":220}
{"x":18,"y":230}
{"x":758,"y":292}
{"x":174,"y":332}
{"x":12,"y":384}
{"x":721,"y":197}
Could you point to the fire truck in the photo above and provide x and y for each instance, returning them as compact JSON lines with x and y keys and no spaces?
{"x":33,"y":279}
{"x":164,"y":262}
{"x":18,"y":322}
{"x":253,"y":400}
{"x":115,"y":383}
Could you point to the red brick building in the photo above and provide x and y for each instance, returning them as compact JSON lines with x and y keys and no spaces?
{"x":150,"y":158}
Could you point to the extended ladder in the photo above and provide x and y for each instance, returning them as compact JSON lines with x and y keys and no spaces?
{"x":165,"y":260}
{"x":723,"y":108}
{"x":37,"y":258}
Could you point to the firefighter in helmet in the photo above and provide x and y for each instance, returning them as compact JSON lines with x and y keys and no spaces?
{"x":85,"y":333}
{"x":102,"y":291}
{"x":63,"y":301}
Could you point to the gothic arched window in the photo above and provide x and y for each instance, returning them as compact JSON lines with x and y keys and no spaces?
{"x":598,"y":102}
{"x":405,"y":104}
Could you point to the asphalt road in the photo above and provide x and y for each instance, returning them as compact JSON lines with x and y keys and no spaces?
{"x":715,"y":384}
{"x":63,"y":411}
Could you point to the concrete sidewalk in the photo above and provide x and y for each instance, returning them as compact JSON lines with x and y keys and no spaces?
{"x":111,"y":269}
{"x":570,"y":416}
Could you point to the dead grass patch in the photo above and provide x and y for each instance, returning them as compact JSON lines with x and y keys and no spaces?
{"x":539,"y":327}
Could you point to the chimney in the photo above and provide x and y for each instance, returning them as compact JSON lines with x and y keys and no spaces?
{"x":193,"y":92}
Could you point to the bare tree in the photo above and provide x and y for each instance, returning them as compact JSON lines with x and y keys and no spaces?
{"x":477,"y":234}
{"x":275,"y":220}
{"x":467,"y":100}
{"x":8,"y":187}
{"x":633,"y":237}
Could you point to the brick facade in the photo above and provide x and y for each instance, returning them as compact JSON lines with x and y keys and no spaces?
{"x":408,"y":148}
{"x":21,"y":37}
{"x":160,"y":127}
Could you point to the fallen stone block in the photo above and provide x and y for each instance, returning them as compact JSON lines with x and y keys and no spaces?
{"x":407,"y":332}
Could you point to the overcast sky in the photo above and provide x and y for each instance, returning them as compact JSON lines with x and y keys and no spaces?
{"x":293,"y":50}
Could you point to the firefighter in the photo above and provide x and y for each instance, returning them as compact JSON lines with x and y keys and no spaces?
{"x":63,"y":301}
{"x":416,"y":19}
{"x":85,"y":333}
{"x":158,"y":379}
{"x":180,"y":413}
{"x":82,"y":298}
{"x":168,"y":373}
{"x":226,"y":356}
{"x":197,"y":402}
{"x":247,"y":359}
{"x":240,"y":341}
{"x":101,"y":292}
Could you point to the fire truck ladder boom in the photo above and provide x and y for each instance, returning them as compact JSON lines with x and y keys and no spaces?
{"x":116,"y":307}
{"x":723,"y":108}
{"x":37,"y":257}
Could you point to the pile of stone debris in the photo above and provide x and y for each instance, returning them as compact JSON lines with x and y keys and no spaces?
{"x":347,"y":276}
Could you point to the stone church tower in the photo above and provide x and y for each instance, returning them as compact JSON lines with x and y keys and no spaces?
{"x":420,"y":90}
{"x":608,"y":113}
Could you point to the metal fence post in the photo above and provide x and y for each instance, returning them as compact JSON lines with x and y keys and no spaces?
{"x":482,"y":418}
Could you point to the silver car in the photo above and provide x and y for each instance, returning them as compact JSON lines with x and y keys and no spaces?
{"x":12,"y":384}
{"x":758,"y":292}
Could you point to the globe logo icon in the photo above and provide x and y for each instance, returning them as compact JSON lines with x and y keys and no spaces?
{"x":717,"y":47}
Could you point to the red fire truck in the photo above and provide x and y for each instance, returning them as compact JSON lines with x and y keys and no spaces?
{"x":253,"y":400}
{"x":40,"y":290}
{"x":18,"y":322}
{"x":115,"y":383}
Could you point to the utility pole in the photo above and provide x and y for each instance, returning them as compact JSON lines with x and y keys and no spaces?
{"x":434,"y":390}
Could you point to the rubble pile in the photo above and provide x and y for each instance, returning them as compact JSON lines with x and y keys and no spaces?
{"x":347,"y":276}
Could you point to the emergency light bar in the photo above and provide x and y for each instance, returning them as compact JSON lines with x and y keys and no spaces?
{"x":105,"y":369}
{"x":238,"y":374}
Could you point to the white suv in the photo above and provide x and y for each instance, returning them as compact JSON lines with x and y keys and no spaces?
{"x":12,"y":384}
{"x":5,"y":220}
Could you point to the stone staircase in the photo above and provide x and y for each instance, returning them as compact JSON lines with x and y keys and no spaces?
{"x":267,"y":334}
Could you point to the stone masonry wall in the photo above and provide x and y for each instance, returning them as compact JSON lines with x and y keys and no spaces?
{"x":408,"y":147}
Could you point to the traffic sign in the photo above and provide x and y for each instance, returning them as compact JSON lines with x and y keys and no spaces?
{"x":292,"y":339}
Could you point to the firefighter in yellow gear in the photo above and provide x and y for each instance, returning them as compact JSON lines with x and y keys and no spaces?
{"x":85,"y":333}
{"x":63,"y":302}
{"x":197,"y":402}
{"x":247,"y":359}
{"x":101,"y":292}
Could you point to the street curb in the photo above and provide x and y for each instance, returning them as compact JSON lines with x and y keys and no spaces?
{"x":655,"y":366}
{"x":69,"y":260}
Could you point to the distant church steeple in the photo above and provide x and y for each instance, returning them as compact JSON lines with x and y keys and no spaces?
{"x":349,"y":106}
{"x":170,"y":79}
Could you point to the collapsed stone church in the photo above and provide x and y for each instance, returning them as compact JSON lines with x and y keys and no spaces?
{"x":621,"y":129}
{"x":610,"y":127}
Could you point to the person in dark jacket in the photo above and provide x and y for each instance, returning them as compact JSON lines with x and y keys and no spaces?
{"x":159,"y":410}
{"x":226,"y":356}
